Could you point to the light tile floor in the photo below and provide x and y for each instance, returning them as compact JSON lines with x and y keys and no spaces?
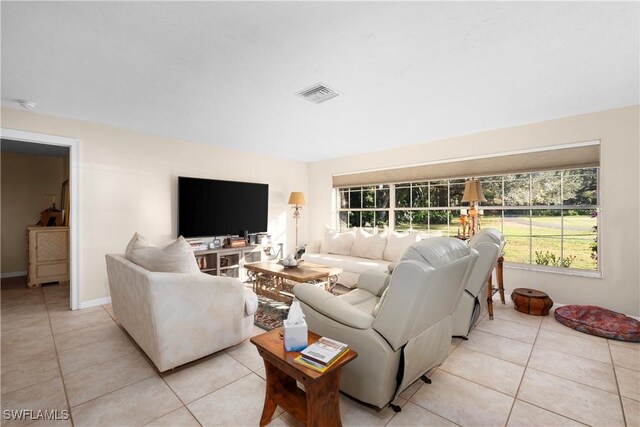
{"x":515,"y":370}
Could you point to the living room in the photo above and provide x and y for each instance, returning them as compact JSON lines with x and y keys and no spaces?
{"x":144,"y":93}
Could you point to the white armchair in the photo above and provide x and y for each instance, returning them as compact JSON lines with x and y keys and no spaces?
{"x":400,"y":325}
{"x":490,"y":244}
{"x":175,"y":317}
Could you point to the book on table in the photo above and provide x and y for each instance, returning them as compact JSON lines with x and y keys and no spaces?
{"x":322,"y":354}
{"x":315,"y":366}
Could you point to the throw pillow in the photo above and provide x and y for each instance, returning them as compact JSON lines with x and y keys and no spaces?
{"x":367,"y":245}
{"x":397,"y":244}
{"x":177,"y":257}
{"x":337,"y":243}
{"x":137,"y":240}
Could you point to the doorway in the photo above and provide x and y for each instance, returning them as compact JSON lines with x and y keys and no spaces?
{"x":51,"y":179}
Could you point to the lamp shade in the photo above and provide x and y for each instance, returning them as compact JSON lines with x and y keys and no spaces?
{"x":473,"y":191}
{"x":297,"y":198}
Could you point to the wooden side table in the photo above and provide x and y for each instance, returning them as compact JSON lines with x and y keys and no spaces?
{"x":318,"y":405}
{"x":491,"y":291}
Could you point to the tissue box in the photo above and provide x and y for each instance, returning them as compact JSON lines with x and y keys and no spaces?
{"x":295,"y":335}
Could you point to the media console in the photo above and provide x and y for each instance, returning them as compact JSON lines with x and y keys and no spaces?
{"x":228,"y":261}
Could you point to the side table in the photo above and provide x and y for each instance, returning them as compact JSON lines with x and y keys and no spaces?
{"x":491,"y":291}
{"x":318,"y":405}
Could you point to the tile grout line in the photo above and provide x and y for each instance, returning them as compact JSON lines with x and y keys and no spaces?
{"x":615,"y":376}
{"x":55,"y":348}
{"x":83,"y":343}
{"x":85,"y":327}
{"x":526,"y":367}
{"x":498,"y":357}
{"x":573,"y":381}
{"x":559,"y":350}
{"x":502,"y":336}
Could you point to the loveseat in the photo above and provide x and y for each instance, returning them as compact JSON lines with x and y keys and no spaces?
{"x":178,"y":317}
{"x":357,"y":250}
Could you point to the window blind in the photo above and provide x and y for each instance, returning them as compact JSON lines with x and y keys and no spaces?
{"x":583,"y":155}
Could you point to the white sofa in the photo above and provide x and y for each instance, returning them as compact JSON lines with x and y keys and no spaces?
{"x":179,"y":317}
{"x":356,"y":251}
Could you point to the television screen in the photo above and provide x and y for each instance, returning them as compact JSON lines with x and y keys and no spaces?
{"x":209,"y":207}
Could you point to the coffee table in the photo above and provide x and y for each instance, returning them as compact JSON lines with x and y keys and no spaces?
{"x":319,"y":404}
{"x":277,"y":282}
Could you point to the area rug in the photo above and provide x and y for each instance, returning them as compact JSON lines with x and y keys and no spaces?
{"x":270,"y":313}
{"x":599,"y":321}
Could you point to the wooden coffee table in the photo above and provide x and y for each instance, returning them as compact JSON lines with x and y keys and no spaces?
{"x":277,"y":282}
{"x":319,"y":404}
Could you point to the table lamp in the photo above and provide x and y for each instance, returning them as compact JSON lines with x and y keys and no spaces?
{"x":473,"y":194}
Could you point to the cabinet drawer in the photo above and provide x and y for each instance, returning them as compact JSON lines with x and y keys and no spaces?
{"x":51,"y":270}
{"x":52,"y":246}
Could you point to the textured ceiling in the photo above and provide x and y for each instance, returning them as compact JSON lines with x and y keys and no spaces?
{"x":410,"y":72}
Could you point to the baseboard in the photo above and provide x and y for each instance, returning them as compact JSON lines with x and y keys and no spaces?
{"x":12,"y":274}
{"x":95,"y":302}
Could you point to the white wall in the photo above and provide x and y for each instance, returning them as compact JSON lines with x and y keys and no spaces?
{"x":128,"y":183}
{"x":618,"y":130}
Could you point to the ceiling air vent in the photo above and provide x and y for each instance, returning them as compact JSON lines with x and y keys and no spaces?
{"x":318,"y":93}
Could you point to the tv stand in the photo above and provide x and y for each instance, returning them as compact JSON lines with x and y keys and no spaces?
{"x":228,"y":261}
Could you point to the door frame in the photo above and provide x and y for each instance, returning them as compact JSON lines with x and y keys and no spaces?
{"x":74,"y":199}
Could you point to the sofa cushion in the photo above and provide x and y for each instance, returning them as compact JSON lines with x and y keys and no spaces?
{"x":347,"y":263}
{"x":397,"y":244}
{"x":177,"y":257}
{"x":366,"y":245}
{"x":337,"y":243}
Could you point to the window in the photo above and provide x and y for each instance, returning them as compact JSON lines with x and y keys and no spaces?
{"x":366,"y":207}
{"x":548,"y":217}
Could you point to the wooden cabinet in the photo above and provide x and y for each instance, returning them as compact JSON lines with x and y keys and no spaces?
{"x":228,"y":261}
{"x":48,"y":255}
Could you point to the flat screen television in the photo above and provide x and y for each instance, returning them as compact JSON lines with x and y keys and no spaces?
{"x":208,"y":207}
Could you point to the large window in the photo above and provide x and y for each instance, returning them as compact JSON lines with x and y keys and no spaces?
{"x":549,"y":218}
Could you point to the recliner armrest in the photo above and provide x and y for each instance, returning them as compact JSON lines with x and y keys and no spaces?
{"x":374,"y":281}
{"x":332,"y":307}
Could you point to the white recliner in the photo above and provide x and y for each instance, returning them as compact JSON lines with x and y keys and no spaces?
{"x":490,"y":244}
{"x":400,"y":324}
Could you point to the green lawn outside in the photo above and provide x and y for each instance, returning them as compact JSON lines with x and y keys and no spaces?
{"x":546,"y":235}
